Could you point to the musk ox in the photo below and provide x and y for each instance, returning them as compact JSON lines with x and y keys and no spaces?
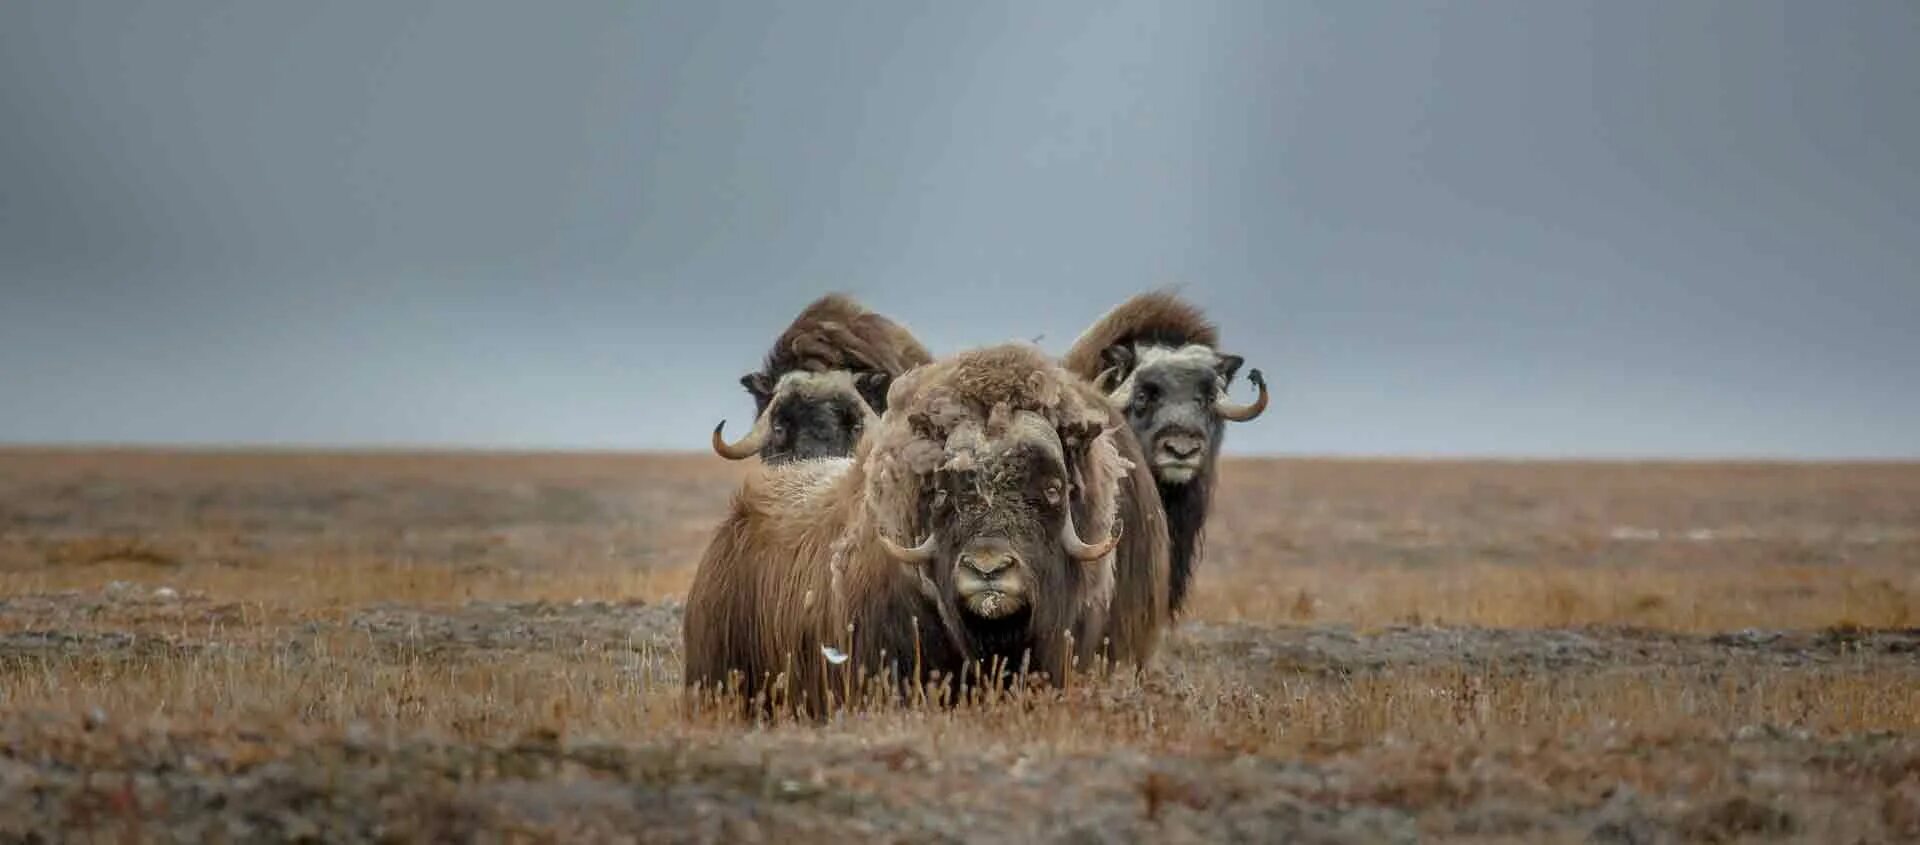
{"x":1157,"y":357}
{"x":824,"y":381}
{"x":979,"y":523}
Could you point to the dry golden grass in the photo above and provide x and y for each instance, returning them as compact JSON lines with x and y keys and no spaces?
{"x":303,"y":585}
{"x":340,"y":677}
{"x":1701,"y":600}
{"x":473,"y":601}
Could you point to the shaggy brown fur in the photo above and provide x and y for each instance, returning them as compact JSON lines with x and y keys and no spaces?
{"x":798,"y":566}
{"x":1156,"y":318}
{"x":801,"y":410}
{"x":837,"y":333}
{"x":1159,"y":318}
{"x":1143,"y":565}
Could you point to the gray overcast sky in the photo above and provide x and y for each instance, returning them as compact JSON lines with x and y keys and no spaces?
{"x":1626,"y":227}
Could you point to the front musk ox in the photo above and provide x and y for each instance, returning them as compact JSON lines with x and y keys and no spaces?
{"x":823,"y":382}
{"x":1158,"y":358}
{"x":978,"y":524}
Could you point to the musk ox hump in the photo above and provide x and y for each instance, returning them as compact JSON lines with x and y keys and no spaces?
{"x":835,"y":332}
{"x":1155,"y":318}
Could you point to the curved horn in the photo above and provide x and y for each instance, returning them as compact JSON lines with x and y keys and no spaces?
{"x":917,"y":555}
{"x":748,"y":445}
{"x":1242,"y":413}
{"x":1078,"y":548}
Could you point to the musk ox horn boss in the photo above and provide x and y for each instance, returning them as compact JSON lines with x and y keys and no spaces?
{"x":979,"y":523}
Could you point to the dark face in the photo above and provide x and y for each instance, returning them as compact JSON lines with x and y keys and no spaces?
{"x":805,"y":428}
{"x":997,"y":548}
{"x":805,"y":425}
{"x":1170,"y":406}
{"x":998,"y":526}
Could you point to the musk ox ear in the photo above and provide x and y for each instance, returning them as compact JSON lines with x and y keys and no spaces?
{"x":1075,"y":437}
{"x":760,"y":385}
{"x":1116,"y":363}
{"x":872,"y":387}
{"x":1075,"y":441}
{"x":1226,"y":365}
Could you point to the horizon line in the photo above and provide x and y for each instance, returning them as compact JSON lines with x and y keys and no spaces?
{"x":378,"y":448}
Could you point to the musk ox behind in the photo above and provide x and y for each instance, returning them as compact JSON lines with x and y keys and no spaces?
{"x":1158,"y":358}
{"x":978,"y":524}
{"x":824,"y":381}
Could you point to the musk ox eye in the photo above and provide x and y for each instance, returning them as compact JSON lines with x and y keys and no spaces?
{"x":1053,"y":492}
{"x":939,"y":499}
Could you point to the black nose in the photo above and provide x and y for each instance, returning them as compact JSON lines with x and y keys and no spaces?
{"x":1184,"y":447}
{"x":986,"y":563}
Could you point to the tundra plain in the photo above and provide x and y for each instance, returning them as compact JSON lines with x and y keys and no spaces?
{"x":205,"y":646}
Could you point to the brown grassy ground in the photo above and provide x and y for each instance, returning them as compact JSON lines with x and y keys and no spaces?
{"x":234,"y":647}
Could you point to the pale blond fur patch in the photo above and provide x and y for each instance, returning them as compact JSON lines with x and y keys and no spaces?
{"x":1192,"y":356}
{"x":823,"y":385}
